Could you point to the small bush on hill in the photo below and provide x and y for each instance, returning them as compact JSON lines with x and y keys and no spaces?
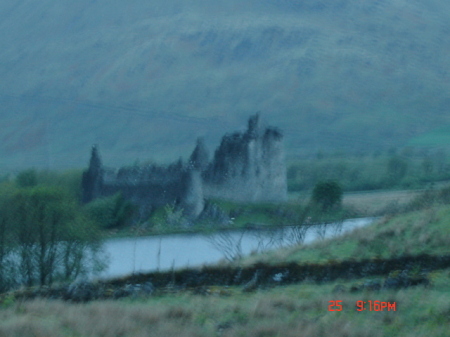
{"x":328,"y":195}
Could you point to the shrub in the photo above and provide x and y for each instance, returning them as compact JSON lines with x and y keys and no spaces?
{"x":27,"y":178}
{"x":327,"y":194}
{"x":110,"y":212}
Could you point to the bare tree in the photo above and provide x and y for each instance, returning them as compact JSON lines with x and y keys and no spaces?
{"x":268,"y":239}
{"x":228,"y":244}
{"x":297,"y":234}
{"x":321,"y":230}
{"x":337,"y":227}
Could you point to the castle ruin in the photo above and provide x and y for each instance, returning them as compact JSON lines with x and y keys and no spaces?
{"x":246,"y":167}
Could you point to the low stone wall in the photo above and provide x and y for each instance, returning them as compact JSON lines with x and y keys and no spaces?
{"x":251,"y":278}
{"x":288,"y":273}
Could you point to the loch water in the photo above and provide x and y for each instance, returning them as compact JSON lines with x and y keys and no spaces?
{"x":164,"y":252}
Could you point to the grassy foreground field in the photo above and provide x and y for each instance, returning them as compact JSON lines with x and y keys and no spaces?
{"x":297,"y":310}
{"x":300,"y":309}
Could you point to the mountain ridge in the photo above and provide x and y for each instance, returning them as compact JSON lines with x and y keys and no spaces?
{"x":144,"y":80}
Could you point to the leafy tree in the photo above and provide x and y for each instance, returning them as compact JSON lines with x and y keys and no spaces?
{"x":27,"y":178}
{"x":70,"y":180}
{"x":49,"y":235}
{"x":110,"y":212}
{"x":6,"y":246}
{"x":396,"y":169}
{"x":327,"y":194}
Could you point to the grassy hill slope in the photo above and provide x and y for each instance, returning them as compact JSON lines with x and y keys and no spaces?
{"x":414,"y":233}
{"x":144,"y":79}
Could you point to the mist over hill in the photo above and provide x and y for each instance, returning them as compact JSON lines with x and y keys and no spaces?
{"x":144,"y":79}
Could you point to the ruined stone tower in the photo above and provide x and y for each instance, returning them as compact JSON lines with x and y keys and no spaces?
{"x":199,"y":159}
{"x":92,"y":180}
{"x":247,"y":167}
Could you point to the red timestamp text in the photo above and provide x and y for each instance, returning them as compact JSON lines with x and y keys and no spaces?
{"x":376,"y":306}
{"x":335,"y":304}
{"x":365,"y":305}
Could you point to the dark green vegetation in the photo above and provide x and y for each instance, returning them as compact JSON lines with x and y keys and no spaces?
{"x":327,"y":195}
{"x":409,"y":168}
{"x":143,"y":79}
{"x":234,"y":215}
{"x":45,"y":236}
{"x":168,"y":220}
{"x":110,"y":212}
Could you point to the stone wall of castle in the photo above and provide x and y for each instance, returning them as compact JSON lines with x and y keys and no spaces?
{"x":146,"y":186}
{"x":247,"y":167}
